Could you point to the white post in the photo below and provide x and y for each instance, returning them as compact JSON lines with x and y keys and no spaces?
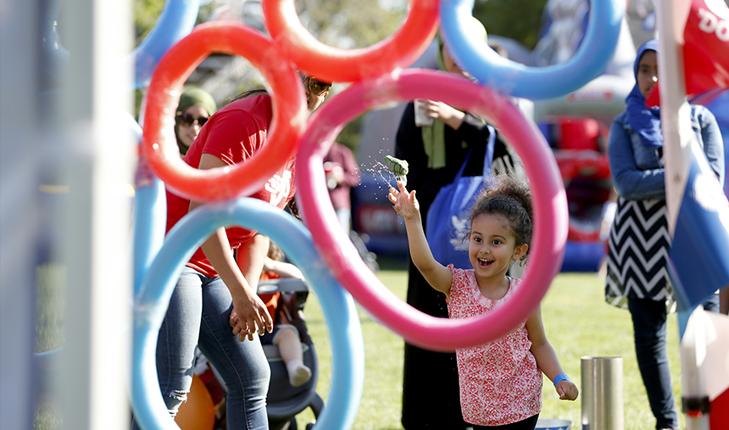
{"x":675,"y":112}
{"x":677,"y":135}
{"x":97,"y":165}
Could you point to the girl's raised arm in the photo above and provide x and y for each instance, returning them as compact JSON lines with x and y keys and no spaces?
{"x":438,"y":276}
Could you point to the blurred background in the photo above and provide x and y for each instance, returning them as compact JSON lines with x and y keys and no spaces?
{"x":67,"y":162}
{"x":530,"y":32}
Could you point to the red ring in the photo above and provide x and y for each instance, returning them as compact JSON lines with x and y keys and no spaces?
{"x":349,"y":65}
{"x":287,"y":127}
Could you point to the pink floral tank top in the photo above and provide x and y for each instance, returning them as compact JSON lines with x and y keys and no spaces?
{"x":500,"y":382}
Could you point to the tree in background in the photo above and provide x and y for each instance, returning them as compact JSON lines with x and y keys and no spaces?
{"x":351,"y":24}
{"x":341,"y":23}
{"x":516,"y":19}
{"x":146,"y":13}
{"x":344,"y":24}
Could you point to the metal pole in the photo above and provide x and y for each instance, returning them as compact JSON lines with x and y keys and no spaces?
{"x":602,"y":393}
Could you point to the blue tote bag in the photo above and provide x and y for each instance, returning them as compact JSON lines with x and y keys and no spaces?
{"x":448,"y":217}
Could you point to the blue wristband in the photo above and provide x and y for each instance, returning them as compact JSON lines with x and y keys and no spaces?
{"x":559,"y":378}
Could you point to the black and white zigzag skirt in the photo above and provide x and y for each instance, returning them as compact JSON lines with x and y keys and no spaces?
{"x":638,"y":253}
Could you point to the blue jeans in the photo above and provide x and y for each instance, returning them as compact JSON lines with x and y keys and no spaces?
{"x":649,"y":330}
{"x":198,"y":315}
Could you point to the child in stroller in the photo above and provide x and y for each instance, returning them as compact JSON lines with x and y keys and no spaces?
{"x":284,"y":335}
{"x":289,"y":348}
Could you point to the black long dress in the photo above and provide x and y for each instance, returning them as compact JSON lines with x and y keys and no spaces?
{"x":430,"y":396}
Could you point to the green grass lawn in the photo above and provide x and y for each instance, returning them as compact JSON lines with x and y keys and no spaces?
{"x":578,"y":323}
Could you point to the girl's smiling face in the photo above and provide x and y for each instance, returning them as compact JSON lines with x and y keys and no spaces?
{"x":492,"y":247}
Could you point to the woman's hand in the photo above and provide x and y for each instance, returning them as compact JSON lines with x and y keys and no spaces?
{"x":443,"y":112}
{"x":567,"y":390}
{"x":405,"y":203}
{"x":249,"y":315}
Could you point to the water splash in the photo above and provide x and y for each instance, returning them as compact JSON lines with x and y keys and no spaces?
{"x":384,"y":177}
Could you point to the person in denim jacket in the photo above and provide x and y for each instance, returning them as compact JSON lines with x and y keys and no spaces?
{"x":638,"y":172}
{"x":639,"y":242}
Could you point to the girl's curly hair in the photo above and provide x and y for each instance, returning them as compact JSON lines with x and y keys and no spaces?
{"x":508,"y":196}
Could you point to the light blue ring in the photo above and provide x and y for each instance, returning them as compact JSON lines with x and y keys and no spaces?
{"x":150,"y":216}
{"x":150,"y":220}
{"x":536,"y":83}
{"x":184,"y":238}
{"x":175,"y":22}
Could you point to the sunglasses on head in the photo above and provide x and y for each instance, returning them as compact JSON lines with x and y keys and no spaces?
{"x":188,"y":120}
{"x":317,"y":87}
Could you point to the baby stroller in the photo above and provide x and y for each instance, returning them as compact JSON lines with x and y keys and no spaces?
{"x":284,"y":401}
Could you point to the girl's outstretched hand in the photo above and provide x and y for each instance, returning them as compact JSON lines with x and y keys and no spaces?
{"x":567,"y":390}
{"x":405,"y":202}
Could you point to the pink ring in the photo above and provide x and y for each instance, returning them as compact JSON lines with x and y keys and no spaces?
{"x":548,"y":194}
{"x":349,"y":65}
{"x":289,"y":113}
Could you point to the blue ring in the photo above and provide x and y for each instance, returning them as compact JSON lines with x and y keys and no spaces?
{"x":536,"y":83}
{"x":150,"y":220}
{"x":150,"y":214}
{"x":152,"y":300}
{"x":175,"y":22}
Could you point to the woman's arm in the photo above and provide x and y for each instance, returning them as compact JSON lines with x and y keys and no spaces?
{"x":631,"y":182}
{"x":443,"y":112}
{"x":547,"y":360}
{"x":438,"y":276}
{"x":713,"y":144}
{"x":249,"y":312}
{"x":251,"y":256}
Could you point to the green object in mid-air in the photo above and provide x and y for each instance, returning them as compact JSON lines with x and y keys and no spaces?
{"x":398,"y":167}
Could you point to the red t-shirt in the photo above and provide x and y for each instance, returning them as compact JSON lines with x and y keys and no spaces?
{"x":234,"y":134}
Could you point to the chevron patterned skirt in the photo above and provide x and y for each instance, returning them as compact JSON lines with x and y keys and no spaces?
{"x":638,"y":250}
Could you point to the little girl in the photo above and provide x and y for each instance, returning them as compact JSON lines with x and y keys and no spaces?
{"x":501,"y":381}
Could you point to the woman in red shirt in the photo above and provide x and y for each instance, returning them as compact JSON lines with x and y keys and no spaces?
{"x":214,"y":304}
